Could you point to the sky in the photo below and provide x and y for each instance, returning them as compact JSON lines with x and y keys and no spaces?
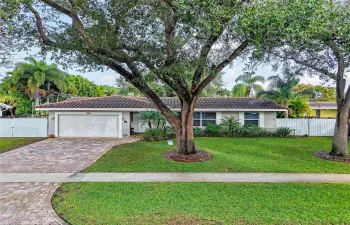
{"x":230,"y":73}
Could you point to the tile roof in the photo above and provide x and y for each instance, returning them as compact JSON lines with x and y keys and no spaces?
{"x":117,"y":101}
{"x":323,"y":105}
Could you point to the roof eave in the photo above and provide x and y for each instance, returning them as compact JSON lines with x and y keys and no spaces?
{"x":147,"y":109}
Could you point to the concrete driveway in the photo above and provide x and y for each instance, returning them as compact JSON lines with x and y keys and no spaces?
{"x":30,"y":203}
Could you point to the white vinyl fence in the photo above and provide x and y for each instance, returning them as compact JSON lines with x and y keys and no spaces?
{"x":23,"y":127}
{"x":311,"y":127}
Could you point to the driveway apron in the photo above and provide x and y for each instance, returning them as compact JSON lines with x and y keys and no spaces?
{"x":30,"y":203}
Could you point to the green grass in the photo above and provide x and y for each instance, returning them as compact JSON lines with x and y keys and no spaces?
{"x":7,"y":144}
{"x":289,"y":155}
{"x":203,"y":203}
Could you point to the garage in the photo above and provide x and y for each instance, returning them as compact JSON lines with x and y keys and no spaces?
{"x":88,"y":125}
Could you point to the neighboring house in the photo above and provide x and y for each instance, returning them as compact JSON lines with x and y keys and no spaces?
{"x":323,"y":109}
{"x":116,"y":116}
{"x":4,"y":107}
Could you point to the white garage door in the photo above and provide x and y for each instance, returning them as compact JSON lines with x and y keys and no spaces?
{"x":88,"y":125}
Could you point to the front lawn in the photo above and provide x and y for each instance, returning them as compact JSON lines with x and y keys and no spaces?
{"x":203,"y":203}
{"x":289,"y":155}
{"x":7,"y":144}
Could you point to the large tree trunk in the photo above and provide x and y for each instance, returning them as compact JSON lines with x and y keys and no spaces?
{"x":184,"y":130}
{"x":340,"y":140}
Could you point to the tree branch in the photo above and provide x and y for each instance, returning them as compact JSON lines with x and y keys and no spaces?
{"x":170,"y":24}
{"x":340,"y":80}
{"x":57,"y":6}
{"x":39,"y":24}
{"x":136,"y":79}
{"x":237,"y":52}
{"x":203,"y":58}
{"x":319,"y":70}
{"x":216,"y":69}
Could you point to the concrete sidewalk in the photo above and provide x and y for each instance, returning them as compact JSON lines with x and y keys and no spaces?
{"x":173,"y":177}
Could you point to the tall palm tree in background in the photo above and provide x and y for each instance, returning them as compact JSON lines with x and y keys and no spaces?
{"x":36,"y":78}
{"x":247,"y":85}
{"x":281,"y":90}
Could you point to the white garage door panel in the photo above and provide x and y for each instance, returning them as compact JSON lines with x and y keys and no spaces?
{"x":88,"y":125}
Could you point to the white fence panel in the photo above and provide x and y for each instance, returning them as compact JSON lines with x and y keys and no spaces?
{"x":23,"y":127}
{"x":312,"y":127}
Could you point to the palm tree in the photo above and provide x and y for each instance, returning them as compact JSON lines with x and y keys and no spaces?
{"x":248,"y":85}
{"x":281,"y":90}
{"x":33,"y":76}
{"x":231,"y":123}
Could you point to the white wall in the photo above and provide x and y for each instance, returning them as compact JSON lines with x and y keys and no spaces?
{"x":312,"y":127}
{"x":270,"y":120}
{"x":23,"y":127}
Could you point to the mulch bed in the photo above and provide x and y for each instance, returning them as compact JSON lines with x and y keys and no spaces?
{"x":200,"y":156}
{"x":327,"y":156}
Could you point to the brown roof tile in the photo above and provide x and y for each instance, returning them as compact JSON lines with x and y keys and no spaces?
{"x":173,"y":102}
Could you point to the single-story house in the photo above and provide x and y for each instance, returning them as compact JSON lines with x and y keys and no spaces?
{"x":117,"y":116}
{"x":4,"y":107}
{"x":323,"y":109}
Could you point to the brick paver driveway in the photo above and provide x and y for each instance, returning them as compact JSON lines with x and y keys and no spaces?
{"x":30,"y":203}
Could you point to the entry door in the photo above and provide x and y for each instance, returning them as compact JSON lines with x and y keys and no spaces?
{"x":77,"y":125}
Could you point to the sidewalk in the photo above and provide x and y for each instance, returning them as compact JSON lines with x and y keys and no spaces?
{"x":173,"y":177}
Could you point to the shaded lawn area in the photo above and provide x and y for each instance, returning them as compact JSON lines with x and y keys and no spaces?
{"x":7,"y":144}
{"x":280,"y":155}
{"x":203,"y":203}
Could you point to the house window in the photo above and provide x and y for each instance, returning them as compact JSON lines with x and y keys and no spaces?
{"x":202,"y":119}
{"x":251,"y":118}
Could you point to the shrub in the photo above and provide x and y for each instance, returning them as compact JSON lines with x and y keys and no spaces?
{"x":213,"y":130}
{"x":157,"y":134}
{"x":231,"y":124}
{"x":283,"y":132}
{"x":198,"y":131}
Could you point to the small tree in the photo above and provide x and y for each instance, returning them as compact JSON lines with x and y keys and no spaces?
{"x":231,"y":123}
{"x":298,"y":107}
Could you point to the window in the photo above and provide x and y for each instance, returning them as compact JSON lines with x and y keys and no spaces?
{"x":202,"y":119}
{"x":251,"y":118}
{"x":318,"y":113}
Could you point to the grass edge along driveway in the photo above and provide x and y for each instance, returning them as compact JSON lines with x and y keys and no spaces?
{"x":7,"y":144}
{"x":262,"y":155}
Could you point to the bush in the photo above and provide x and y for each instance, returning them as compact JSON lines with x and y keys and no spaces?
{"x":157,"y":134}
{"x":283,"y":132}
{"x":213,"y":130}
{"x":198,"y":131}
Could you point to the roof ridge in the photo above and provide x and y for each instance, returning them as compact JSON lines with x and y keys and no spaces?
{"x":78,"y":100}
{"x":134,"y":98}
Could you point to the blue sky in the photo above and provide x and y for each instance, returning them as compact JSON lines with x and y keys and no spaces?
{"x":230,"y":73}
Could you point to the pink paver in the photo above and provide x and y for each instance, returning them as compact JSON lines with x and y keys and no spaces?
{"x":30,"y":203}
